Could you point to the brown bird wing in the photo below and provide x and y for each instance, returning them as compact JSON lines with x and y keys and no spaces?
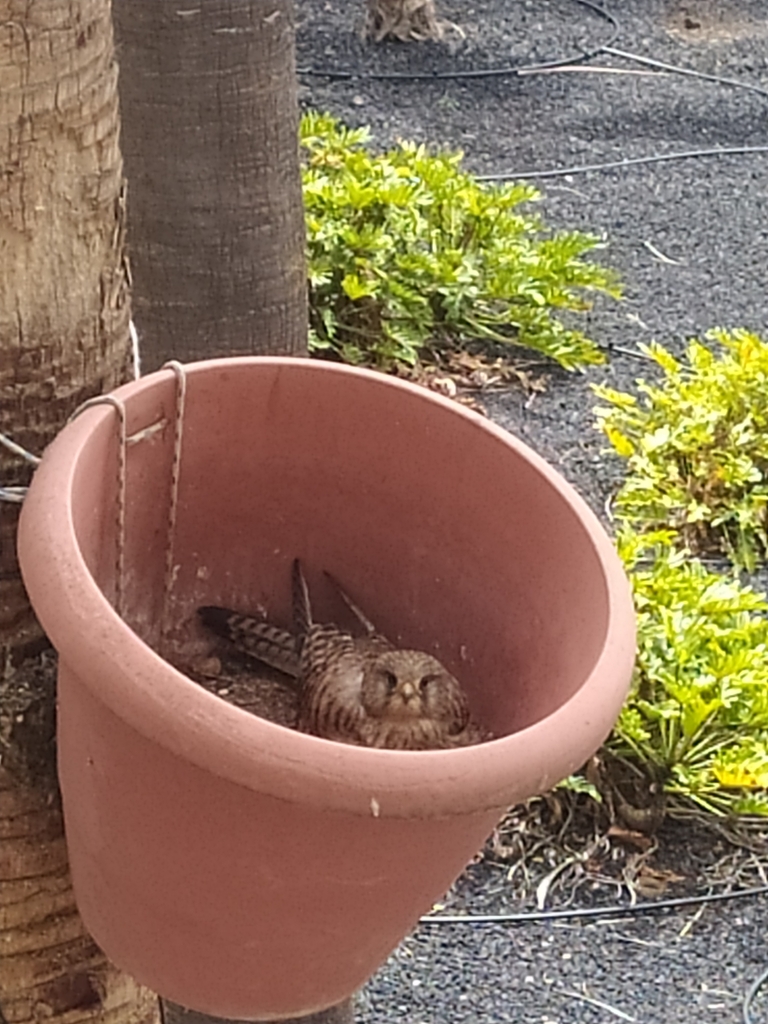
{"x":330,"y":675}
{"x":471,"y":733}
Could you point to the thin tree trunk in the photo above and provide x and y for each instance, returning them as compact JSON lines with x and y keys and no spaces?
{"x":63,"y":337}
{"x":210,"y":118}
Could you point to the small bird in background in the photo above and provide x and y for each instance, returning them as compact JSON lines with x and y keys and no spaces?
{"x":360,"y":690}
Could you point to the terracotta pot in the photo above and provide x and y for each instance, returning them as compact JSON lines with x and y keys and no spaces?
{"x":233,"y":865}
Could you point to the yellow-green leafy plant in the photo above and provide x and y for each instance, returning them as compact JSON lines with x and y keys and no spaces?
{"x":697,"y":715}
{"x":696,"y":446}
{"x":407,"y":250}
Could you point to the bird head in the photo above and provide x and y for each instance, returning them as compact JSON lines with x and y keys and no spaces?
{"x":407,"y":685}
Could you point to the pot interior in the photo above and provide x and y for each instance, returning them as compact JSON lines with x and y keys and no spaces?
{"x":448,"y":533}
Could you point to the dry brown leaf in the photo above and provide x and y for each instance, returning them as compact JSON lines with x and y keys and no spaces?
{"x":655,"y":882}
{"x":629,"y":837}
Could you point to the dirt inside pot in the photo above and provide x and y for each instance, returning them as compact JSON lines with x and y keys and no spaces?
{"x":246,"y":684}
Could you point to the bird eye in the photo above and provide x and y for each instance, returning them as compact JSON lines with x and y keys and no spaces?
{"x":391,"y":681}
{"x":425,"y":681}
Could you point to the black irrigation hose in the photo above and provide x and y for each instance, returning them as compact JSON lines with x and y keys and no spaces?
{"x":677,"y":70}
{"x":749,"y":998}
{"x":567,"y":62}
{"x":625,"y":162}
{"x":513,"y":70}
{"x":617,"y":910}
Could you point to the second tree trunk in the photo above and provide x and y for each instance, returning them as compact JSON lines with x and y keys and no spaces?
{"x":210,"y":137}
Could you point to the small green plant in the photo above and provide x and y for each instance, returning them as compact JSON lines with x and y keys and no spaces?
{"x":697,"y":447}
{"x":697,"y":716}
{"x":407,"y":250}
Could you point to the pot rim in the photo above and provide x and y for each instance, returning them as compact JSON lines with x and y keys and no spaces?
{"x":163,"y":705}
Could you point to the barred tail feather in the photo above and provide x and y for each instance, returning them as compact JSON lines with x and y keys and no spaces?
{"x":269,"y":644}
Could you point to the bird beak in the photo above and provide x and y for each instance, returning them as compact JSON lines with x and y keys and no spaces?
{"x":407,"y":690}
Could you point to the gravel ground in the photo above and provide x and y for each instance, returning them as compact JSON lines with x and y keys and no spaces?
{"x":624,"y":969}
{"x":690,"y":240}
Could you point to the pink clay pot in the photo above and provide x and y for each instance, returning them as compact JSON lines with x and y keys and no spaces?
{"x":238,"y":867}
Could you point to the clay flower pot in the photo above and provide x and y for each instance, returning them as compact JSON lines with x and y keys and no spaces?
{"x":233,"y":865}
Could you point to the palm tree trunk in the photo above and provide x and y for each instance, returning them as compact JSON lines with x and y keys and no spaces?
{"x":210,"y":136}
{"x":64,"y":316}
{"x":63,"y":298}
{"x":50,"y":967}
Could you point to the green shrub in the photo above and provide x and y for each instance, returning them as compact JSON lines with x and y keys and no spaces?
{"x":407,"y":250}
{"x":697,"y":716}
{"x":696,"y":446}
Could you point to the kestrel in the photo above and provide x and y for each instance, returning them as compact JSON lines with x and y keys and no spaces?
{"x":360,"y":690}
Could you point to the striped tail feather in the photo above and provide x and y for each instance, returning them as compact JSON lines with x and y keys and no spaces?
{"x":269,"y":644}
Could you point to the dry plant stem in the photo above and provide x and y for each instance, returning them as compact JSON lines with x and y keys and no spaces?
{"x":403,"y":19}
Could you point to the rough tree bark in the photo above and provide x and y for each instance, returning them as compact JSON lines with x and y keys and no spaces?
{"x":63,"y":337}
{"x":210,"y":136}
